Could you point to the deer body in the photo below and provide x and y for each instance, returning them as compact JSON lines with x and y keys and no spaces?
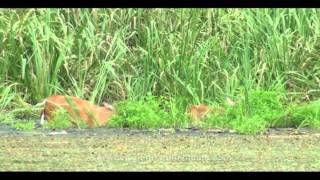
{"x":201,"y":111}
{"x":77,"y":108}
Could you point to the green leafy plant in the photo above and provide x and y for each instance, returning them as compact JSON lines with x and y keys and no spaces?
{"x":24,"y":126}
{"x":252,"y":125}
{"x":268,"y":105}
{"x":186,"y":56}
{"x":63,"y":120}
{"x":149,"y":112}
{"x":216,"y":120}
{"x":305,"y":115}
{"x":266,"y":110}
{"x":20,"y":118}
{"x":7,"y":118}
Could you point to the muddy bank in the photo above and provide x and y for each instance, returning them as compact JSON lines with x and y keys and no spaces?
{"x":108,"y":149}
{"x":105,"y":131}
{"x":121,"y":151}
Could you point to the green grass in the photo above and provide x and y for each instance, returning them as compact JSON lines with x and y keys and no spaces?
{"x":149,"y":112}
{"x":62,"y":120}
{"x":305,"y":115}
{"x":267,"y":110}
{"x":186,"y":56}
{"x":24,"y":126}
{"x":202,"y":55}
{"x":23,"y":119}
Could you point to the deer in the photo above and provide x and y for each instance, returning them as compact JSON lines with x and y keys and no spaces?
{"x":201,"y":111}
{"x":77,"y":108}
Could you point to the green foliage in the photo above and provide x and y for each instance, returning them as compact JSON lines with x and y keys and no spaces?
{"x":119,"y":54}
{"x":175,"y":110}
{"x":24,"y":126}
{"x":268,"y":105}
{"x":216,"y":120}
{"x":305,"y":115}
{"x":6,"y":95}
{"x":145,"y":113}
{"x":148,"y":112}
{"x":250,"y":125}
{"x":267,"y":110}
{"x":7,"y":118}
{"x":185,"y":56}
{"x":20,"y":118}
{"x":63,"y":120}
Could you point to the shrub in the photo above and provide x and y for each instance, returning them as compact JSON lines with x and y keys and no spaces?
{"x":148,"y":112}
{"x":250,"y":125}
{"x":305,"y":115}
{"x":24,"y":125}
{"x":62,"y":120}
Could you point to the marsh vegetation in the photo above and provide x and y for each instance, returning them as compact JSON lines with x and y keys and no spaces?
{"x":154,"y":63}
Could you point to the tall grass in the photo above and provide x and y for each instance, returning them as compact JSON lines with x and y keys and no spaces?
{"x":193,"y":55}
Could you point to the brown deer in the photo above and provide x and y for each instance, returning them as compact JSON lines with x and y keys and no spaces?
{"x":77,"y":108}
{"x":201,"y":111}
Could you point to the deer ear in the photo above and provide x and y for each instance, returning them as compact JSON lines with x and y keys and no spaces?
{"x":108,"y":106}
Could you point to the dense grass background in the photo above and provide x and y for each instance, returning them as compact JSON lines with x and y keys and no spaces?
{"x":189,"y":55}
